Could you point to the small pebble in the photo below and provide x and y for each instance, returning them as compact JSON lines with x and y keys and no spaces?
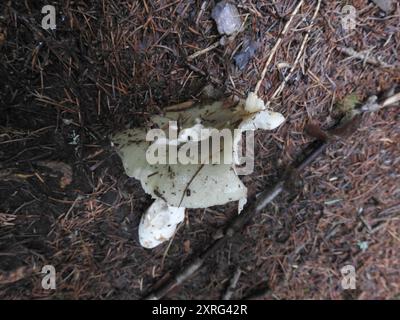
{"x":227,"y":17}
{"x":243,"y":57}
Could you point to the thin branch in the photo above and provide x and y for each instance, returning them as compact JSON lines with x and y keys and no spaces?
{"x":299,"y":54}
{"x":276,"y":46}
{"x":232,"y":285}
{"x":203,"y":51}
{"x":388,"y":101}
{"x":365,"y":57}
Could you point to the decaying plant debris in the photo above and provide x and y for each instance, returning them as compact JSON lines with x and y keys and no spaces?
{"x":112,"y":65}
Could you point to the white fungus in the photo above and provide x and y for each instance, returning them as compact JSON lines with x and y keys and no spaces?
{"x":201,"y":184}
{"x":158,"y":224}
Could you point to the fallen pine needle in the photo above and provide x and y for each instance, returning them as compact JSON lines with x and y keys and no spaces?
{"x":276,"y":46}
{"x":364,"y":57}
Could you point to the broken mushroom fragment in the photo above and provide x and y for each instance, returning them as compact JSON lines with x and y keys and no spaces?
{"x":200,"y":181}
{"x":159,"y":223}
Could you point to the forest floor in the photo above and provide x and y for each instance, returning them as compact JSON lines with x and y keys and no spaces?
{"x":66,"y":201}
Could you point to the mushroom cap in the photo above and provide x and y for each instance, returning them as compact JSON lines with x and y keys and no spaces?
{"x":197,"y":184}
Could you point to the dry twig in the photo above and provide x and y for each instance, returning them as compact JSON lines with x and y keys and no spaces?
{"x":232,"y":285}
{"x":299,"y":54}
{"x":201,"y":52}
{"x":276,"y":46}
{"x":364,"y":57}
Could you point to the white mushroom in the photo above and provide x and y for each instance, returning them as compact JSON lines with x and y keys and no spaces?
{"x":199,"y":183}
{"x":159,"y":223}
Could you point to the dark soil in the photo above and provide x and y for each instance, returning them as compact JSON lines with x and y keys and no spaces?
{"x":66,"y":201}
